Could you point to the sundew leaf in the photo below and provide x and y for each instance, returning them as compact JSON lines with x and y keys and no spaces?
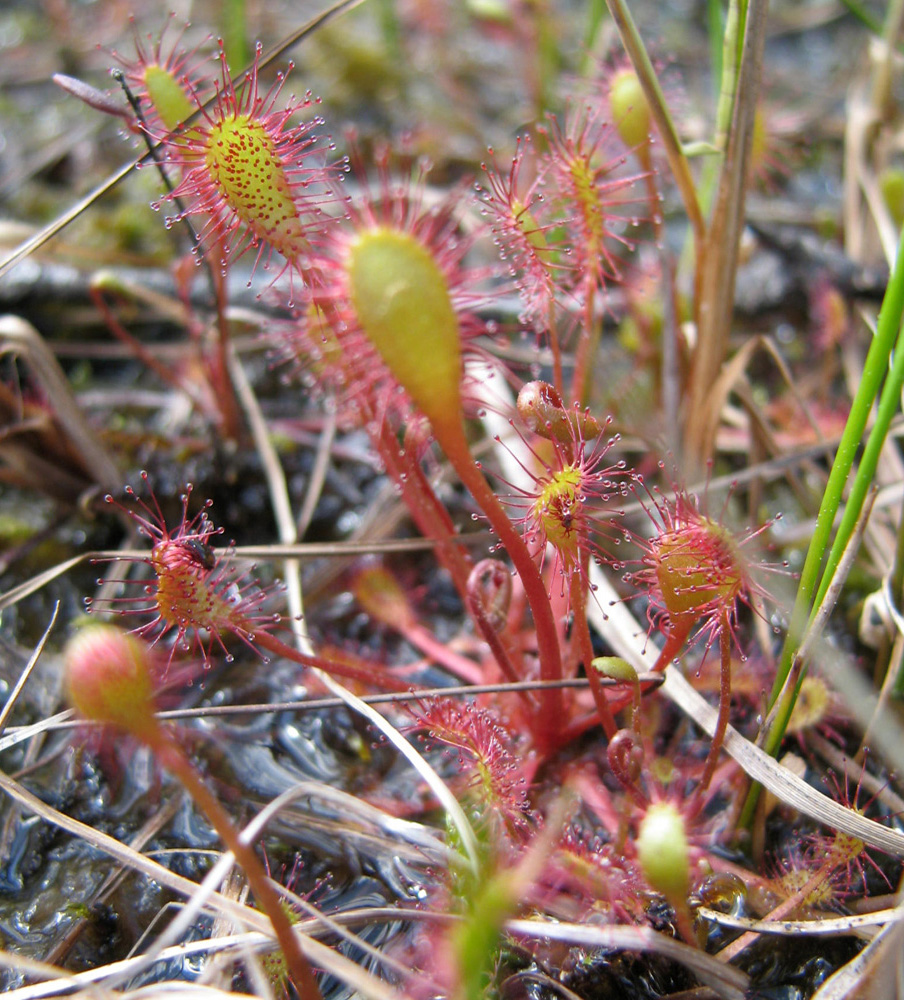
{"x":628,"y":639}
{"x":36,"y":241}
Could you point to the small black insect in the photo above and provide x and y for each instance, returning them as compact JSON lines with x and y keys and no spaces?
{"x":203,"y":554}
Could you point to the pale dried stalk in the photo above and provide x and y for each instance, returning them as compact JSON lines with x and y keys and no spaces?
{"x":21,"y":338}
{"x":717,"y":282}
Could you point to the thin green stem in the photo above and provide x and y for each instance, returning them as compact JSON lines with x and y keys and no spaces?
{"x":391,"y":30}
{"x":715,"y":22}
{"x":874,"y":369}
{"x":815,"y":578}
{"x":889,"y":404}
{"x":234,"y":32}
{"x":596,"y":11}
{"x":728,"y":78}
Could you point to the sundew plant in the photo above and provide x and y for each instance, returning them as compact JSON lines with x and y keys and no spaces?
{"x":461,"y":573}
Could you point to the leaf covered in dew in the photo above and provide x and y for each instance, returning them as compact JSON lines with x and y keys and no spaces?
{"x":169,"y":97}
{"x":244,"y":163}
{"x":165,"y":81}
{"x":197,"y":598}
{"x":696,"y":570}
{"x":698,"y":567}
{"x":257,"y":176}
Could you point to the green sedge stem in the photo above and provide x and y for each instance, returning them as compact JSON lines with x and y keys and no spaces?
{"x":864,"y":17}
{"x":715,"y":22}
{"x":874,"y":369}
{"x":889,"y":404}
{"x":812,"y":580}
{"x":596,"y":10}
{"x":730,"y":63}
{"x":234,"y":25}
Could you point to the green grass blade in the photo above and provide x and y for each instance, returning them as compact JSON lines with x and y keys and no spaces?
{"x":819,"y":569}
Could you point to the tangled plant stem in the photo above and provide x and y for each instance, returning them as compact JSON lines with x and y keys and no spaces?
{"x":451,"y":438}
